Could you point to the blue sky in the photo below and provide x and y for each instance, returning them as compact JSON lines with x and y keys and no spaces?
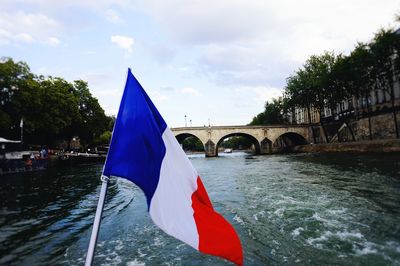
{"x":218,"y":60}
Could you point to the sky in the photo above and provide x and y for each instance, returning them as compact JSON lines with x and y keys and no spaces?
{"x":208,"y":60}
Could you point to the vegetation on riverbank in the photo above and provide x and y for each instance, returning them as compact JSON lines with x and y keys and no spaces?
{"x":53,"y":110}
{"x":328,"y":79}
{"x":236,"y":142}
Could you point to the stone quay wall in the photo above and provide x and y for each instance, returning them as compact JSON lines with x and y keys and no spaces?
{"x":383,"y":137}
{"x":382,"y":127}
{"x":386,"y":145}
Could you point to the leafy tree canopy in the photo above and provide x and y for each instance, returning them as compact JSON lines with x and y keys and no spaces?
{"x":52,"y":108}
{"x":272,"y":115}
{"x":326,"y":80}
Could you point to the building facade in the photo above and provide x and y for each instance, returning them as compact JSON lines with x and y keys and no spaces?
{"x":378,"y":101}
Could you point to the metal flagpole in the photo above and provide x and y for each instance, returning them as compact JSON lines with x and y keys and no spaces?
{"x":97,"y":221}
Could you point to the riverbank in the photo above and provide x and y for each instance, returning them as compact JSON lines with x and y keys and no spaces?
{"x":386,"y":145}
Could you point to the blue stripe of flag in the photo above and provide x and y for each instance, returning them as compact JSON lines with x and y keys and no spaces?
{"x":137,"y":149}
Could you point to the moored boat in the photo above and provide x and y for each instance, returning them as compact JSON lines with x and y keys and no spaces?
{"x":13,"y":160}
{"x":73,"y":157}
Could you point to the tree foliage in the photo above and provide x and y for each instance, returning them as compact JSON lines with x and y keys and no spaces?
{"x":326,"y":80}
{"x":385,"y":50}
{"x":273,"y":114}
{"x":192,"y":144}
{"x":15,"y":80}
{"x":52,"y":108}
{"x":93,"y":121}
{"x":104,"y":138}
{"x":236,"y":143}
{"x":313,"y":85}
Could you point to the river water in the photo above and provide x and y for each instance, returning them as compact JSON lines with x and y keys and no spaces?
{"x":287,"y":209}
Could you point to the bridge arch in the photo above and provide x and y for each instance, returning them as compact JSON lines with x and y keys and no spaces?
{"x":264,"y":137}
{"x":183,"y":136}
{"x":288,"y":140}
{"x":251,"y":138}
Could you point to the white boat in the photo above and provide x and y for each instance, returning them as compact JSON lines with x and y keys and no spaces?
{"x":228,"y":151}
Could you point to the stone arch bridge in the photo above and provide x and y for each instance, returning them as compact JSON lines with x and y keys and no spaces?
{"x":266,"y":139}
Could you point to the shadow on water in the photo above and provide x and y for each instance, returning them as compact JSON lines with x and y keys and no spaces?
{"x":380,"y":163}
{"x":374,"y":176}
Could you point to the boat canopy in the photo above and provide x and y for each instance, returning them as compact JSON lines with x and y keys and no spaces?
{"x":3,"y":140}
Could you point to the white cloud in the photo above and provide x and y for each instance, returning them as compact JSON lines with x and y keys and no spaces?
{"x":123,"y":42}
{"x":191,"y":91}
{"x":94,"y":78}
{"x":238,"y":64}
{"x":167,"y":89}
{"x":96,"y":5}
{"x":261,"y":42}
{"x":88,"y":52}
{"x":5,"y":37}
{"x":24,"y":37}
{"x":113,"y":16}
{"x":162,"y":53}
{"x":53,"y":41}
{"x":22,"y":27}
{"x":208,"y":21}
{"x":107,"y":93}
{"x":157,"y":96}
{"x":264,"y":94}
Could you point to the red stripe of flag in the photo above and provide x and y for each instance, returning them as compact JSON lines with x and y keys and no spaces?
{"x":216,"y":236}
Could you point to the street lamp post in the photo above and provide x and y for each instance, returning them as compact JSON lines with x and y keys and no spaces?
{"x":21,"y":125}
{"x":392,"y":96}
{"x":185,"y":121}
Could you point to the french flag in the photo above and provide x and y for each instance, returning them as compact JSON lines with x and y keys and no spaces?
{"x":144,"y":151}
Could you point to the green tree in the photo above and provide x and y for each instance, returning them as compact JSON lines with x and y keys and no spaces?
{"x":236,"y":143}
{"x":317,"y":78}
{"x":272,"y":115}
{"x":361,"y":75}
{"x":339,"y":83}
{"x":57,"y":111}
{"x":385,"y":51}
{"x":300,"y":94}
{"x":16,"y":80}
{"x":103,"y":138}
{"x":339,"y":87}
{"x":92,"y":120}
{"x":192,"y":144}
{"x":52,"y":108}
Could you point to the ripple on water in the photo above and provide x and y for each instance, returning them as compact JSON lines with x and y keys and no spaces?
{"x":296,"y":232}
{"x":135,"y":262}
{"x":287,"y":209}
